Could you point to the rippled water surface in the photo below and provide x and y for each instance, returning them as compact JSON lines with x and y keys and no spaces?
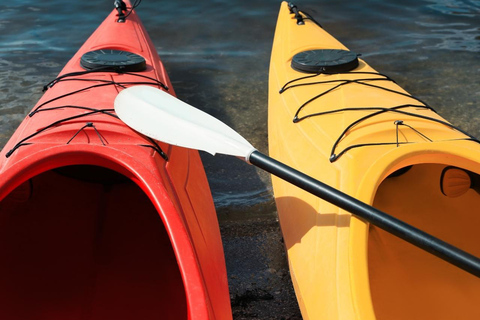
{"x":217,"y":55}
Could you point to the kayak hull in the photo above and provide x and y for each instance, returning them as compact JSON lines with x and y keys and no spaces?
{"x":97,"y":220}
{"x":337,"y":129}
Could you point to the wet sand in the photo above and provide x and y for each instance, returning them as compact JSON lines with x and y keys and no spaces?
{"x":258,"y":276}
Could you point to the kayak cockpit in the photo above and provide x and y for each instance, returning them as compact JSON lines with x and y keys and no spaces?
{"x":407,"y":282}
{"x":84,"y":242}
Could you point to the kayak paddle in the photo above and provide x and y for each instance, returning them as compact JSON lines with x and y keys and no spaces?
{"x":161,"y":116}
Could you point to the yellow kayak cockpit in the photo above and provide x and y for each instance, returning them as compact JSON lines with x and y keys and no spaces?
{"x":406,"y":282}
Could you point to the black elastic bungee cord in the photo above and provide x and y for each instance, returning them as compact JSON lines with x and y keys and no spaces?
{"x":22,"y":142}
{"x":375,"y":110}
{"x":104,"y":111}
{"x":72,"y":77}
{"x":334,"y":156}
{"x":31,"y":114}
{"x":343,"y":83}
{"x":87,"y":125}
{"x":379,"y":110}
{"x":398,"y":123}
{"x":155,"y":147}
{"x":116,"y":69}
{"x":383,"y":109}
{"x":80,"y":73}
{"x":287,"y":86}
{"x":109,"y":112}
{"x":66,"y":77}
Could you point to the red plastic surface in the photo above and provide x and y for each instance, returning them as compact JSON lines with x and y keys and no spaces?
{"x":145,"y":246}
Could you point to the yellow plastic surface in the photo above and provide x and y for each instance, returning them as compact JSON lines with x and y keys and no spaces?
{"x":341,"y":267}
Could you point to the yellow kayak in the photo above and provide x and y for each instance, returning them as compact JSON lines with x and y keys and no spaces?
{"x":338,"y":120}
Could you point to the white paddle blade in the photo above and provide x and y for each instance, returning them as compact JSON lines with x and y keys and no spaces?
{"x":163,"y":117}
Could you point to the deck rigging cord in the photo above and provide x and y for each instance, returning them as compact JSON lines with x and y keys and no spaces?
{"x":116,"y":69}
{"x":376,"y":110}
{"x":109,"y":112}
{"x":97,"y":66}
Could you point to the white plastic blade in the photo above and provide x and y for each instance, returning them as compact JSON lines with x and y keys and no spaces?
{"x":163,"y":117}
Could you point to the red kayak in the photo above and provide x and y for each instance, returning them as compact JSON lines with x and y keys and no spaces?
{"x":96,"y":220}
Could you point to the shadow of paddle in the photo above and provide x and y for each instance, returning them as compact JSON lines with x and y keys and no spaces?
{"x":298,"y":217}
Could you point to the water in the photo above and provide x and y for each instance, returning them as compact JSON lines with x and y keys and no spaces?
{"x":217,"y":55}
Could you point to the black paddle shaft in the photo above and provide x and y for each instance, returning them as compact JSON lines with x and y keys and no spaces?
{"x":374,"y":216}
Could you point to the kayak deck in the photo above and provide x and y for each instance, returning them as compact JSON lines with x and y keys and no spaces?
{"x":86,"y":243}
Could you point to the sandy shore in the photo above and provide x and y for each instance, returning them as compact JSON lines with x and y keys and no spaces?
{"x":258,"y":276}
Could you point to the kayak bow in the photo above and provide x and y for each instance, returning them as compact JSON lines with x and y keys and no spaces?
{"x":98,"y":221}
{"x":336,"y":119}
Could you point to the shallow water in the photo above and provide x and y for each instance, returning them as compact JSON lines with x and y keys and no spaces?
{"x":217,"y":55}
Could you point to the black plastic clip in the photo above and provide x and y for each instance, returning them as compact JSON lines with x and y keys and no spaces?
{"x":298,"y":16}
{"x":121,"y":7}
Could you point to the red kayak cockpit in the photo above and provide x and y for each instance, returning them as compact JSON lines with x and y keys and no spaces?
{"x":85,"y":242}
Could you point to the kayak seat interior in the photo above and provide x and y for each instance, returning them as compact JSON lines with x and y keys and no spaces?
{"x":415,"y":196}
{"x":84,"y":242}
